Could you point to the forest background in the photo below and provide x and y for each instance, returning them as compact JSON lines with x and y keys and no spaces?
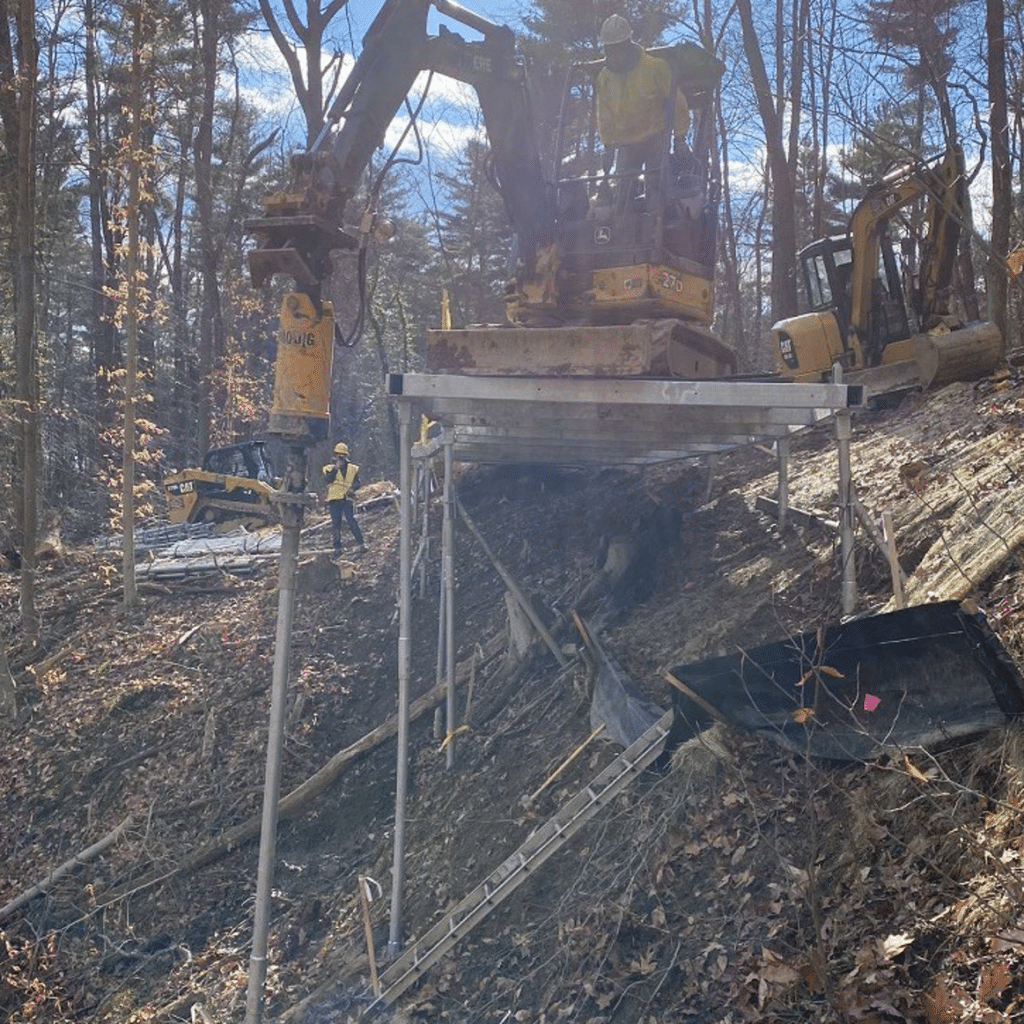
{"x":136,"y":138}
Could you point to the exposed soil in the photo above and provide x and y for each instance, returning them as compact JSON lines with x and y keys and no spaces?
{"x":741,"y":884}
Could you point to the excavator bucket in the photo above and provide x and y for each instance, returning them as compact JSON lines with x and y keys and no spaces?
{"x":918,"y":677}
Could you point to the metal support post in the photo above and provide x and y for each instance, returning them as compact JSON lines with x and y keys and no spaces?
{"x":844,"y":431}
{"x":448,"y":571}
{"x":423,"y":487}
{"x":291,"y":526}
{"x":405,"y":485}
{"x":439,"y":674}
{"x":709,"y":480}
{"x":782,"y":447}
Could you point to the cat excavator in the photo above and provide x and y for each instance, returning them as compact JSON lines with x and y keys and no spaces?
{"x":883,"y":306}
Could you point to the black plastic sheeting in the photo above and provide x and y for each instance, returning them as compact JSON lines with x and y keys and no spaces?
{"x":919,"y":677}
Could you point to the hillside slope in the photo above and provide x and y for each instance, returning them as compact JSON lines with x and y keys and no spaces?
{"x":743,"y":884}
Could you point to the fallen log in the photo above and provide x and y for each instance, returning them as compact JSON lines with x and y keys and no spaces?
{"x":80,"y":858}
{"x":295,"y":802}
{"x":797,"y":515}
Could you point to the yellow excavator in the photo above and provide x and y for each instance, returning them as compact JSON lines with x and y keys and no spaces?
{"x":613,"y":274}
{"x":882,"y":304}
{"x":630,"y":259}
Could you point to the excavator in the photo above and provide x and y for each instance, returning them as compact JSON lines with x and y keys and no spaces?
{"x":881,"y":306}
{"x":630,"y":260}
{"x":613,"y":274}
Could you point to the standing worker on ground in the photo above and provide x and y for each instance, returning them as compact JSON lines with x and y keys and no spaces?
{"x":633,"y":89}
{"x":342,"y":479}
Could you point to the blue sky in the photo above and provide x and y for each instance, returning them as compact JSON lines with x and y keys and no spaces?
{"x":449,"y":117}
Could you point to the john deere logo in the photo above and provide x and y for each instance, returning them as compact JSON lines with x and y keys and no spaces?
{"x":602,"y":236}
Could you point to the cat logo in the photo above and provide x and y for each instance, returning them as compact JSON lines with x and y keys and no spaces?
{"x":602,"y":235}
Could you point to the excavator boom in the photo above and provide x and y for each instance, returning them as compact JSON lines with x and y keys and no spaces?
{"x":303,"y":225}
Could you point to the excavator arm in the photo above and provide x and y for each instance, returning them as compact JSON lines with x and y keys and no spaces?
{"x":303,"y":225}
{"x":941,"y":183}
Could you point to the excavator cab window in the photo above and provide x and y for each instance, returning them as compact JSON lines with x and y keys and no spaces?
{"x":819,"y":290}
{"x":828,"y":272}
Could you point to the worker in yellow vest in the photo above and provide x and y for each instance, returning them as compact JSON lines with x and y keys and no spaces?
{"x":342,"y":479}
{"x":633,"y":89}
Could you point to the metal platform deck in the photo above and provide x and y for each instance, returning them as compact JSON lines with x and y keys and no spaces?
{"x":580,"y":421}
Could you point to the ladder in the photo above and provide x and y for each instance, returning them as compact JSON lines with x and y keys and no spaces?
{"x":505,"y":879}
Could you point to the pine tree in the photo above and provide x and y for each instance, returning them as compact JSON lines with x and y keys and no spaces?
{"x":475,"y":238}
{"x":925,"y":34}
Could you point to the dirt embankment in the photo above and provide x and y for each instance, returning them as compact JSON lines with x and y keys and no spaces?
{"x":742,"y":885}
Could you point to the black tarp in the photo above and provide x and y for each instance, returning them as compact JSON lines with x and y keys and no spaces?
{"x":917,"y":677}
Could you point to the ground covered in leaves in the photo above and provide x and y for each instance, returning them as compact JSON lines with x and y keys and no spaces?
{"x":738,"y":884}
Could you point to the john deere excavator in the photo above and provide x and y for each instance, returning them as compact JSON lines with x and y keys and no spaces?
{"x":613,"y":274}
{"x":883,"y":306}
{"x":593,"y":249}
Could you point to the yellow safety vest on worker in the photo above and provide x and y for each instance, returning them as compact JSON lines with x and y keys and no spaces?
{"x":338,"y":488}
{"x":631,"y":106}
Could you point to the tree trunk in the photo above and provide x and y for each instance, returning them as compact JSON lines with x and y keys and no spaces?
{"x":103,"y":331}
{"x":133,"y":271}
{"x":783,"y":191}
{"x":1002,"y":197}
{"x":18,"y":111}
{"x":210,"y":320}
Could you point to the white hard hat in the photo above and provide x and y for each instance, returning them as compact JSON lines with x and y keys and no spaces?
{"x":615,"y":30}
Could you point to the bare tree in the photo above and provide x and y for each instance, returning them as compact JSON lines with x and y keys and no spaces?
{"x":133,"y":272}
{"x":781,"y":164}
{"x":19,"y":58}
{"x":307,"y":77}
{"x":1002,"y":184}
{"x":211,"y":320}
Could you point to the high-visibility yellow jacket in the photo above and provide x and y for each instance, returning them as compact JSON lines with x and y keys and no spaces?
{"x":631,"y":106}
{"x":339,"y":483}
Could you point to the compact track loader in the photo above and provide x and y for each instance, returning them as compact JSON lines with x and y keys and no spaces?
{"x":235,"y":482}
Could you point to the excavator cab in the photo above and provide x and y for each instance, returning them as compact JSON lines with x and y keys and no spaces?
{"x":828,"y":278}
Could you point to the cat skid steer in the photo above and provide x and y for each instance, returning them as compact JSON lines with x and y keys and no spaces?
{"x":236,"y":482}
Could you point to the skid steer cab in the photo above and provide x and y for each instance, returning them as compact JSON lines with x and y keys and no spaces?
{"x":236,"y":482}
